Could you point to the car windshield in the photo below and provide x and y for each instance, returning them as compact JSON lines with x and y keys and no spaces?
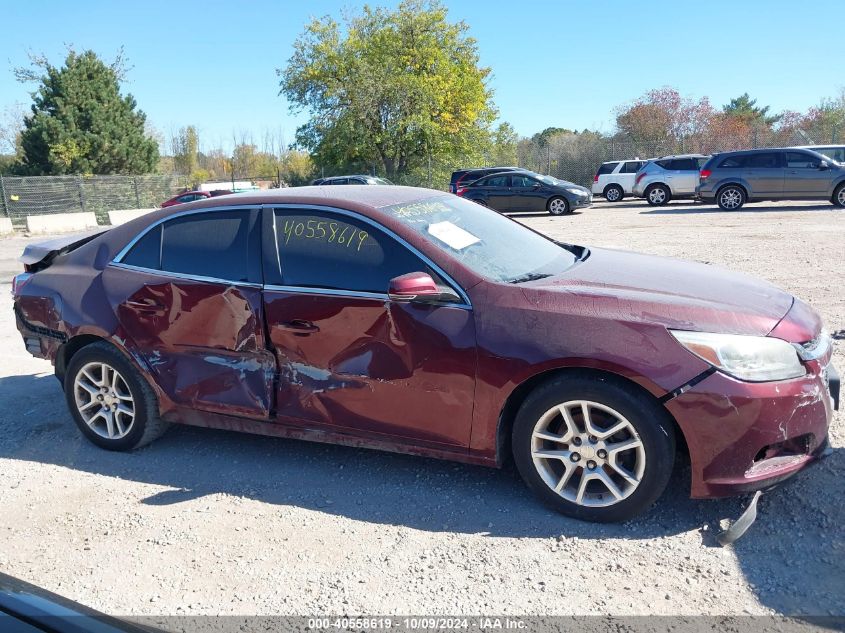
{"x":550,"y":180}
{"x":490,"y":244}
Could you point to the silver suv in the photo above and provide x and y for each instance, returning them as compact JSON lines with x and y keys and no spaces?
{"x":669,"y":177}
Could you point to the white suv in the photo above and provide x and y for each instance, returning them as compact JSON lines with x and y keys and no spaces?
{"x":669,"y":177}
{"x":614,"y":179}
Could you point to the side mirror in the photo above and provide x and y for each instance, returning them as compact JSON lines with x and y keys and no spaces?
{"x":824,"y":166}
{"x":537,"y":185}
{"x":413,"y":287}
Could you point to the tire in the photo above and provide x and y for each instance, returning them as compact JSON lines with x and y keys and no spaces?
{"x":114,"y":430}
{"x":558,"y":206}
{"x":658,"y":195}
{"x":644,"y":426}
{"x":730,"y":198}
{"x":613,"y":193}
{"x":839,"y":196}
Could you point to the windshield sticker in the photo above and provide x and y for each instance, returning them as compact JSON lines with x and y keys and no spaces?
{"x":452,"y":235}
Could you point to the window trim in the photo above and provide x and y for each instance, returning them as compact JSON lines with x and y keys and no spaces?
{"x":117,"y":261}
{"x":271,"y":208}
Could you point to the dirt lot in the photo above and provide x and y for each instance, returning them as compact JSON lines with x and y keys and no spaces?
{"x":208,"y":522}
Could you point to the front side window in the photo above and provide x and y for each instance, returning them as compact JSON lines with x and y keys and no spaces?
{"x":800,"y":160}
{"x":320,"y":249}
{"x":218,"y":244}
{"x":488,"y":243}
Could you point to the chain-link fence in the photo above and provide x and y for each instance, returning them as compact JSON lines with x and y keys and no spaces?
{"x":40,"y":195}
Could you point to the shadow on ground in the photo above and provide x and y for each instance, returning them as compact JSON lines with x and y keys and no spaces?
{"x":793,"y":555}
{"x":687,"y":208}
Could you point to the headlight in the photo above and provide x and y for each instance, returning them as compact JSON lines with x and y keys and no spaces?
{"x":577,"y":192}
{"x":751,"y":358}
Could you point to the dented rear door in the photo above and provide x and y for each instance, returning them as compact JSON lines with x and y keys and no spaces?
{"x":188,"y":296}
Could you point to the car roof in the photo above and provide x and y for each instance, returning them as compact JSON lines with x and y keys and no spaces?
{"x":817,"y":147}
{"x":683,"y":156}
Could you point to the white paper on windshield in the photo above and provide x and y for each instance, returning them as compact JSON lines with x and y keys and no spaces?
{"x":452,"y":235}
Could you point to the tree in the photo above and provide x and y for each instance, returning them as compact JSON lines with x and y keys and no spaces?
{"x":542,"y":138}
{"x":396,"y":88}
{"x":664,"y":117}
{"x":80,"y":123}
{"x":746,"y":110}
{"x":503,"y":146}
{"x":184,"y":146}
{"x":296,"y":168}
{"x":825,"y":123}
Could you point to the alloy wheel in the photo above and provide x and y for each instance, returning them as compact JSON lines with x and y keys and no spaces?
{"x":557,"y":206}
{"x":657,"y":195}
{"x":612,"y":194}
{"x":730,"y":199}
{"x":104,"y":400}
{"x":841,"y":197}
{"x":588,"y":453}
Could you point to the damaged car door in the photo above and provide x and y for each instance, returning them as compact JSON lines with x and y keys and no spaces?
{"x":350,"y":358}
{"x":188,"y":293}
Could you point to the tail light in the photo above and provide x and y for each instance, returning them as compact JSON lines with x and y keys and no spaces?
{"x":704,"y":174}
{"x":639,"y":178}
{"x":596,"y":178}
{"x":459,"y":191}
{"x":19,"y":282}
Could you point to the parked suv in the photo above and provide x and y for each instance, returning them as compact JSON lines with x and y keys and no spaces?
{"x":615,"y":178}
{"x":733,"y":178}
{"x":466,"y":176}
{"x":669,"y":177}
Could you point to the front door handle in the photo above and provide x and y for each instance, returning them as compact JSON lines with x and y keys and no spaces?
{"x":299,"y":326}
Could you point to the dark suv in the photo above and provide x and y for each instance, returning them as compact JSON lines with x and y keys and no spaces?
{"x":466,"y":176}
{"x":733,"y":178}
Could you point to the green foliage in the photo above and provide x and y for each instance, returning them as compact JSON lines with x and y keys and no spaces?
{"x":746,"y":110}
{"x":395,"y":89}
{"x":81,"y":124}
{"x":186,"y":150}
{"x":542,"y":138}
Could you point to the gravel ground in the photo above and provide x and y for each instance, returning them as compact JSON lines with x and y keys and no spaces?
{"x":212,"y":522}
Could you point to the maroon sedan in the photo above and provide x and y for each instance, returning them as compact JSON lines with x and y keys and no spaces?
{"x":191,"y":196}
{"x":416,"y":321}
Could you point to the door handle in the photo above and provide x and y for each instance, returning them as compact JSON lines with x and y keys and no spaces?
{"x":145,"y":306}
{"x":299,"y":326}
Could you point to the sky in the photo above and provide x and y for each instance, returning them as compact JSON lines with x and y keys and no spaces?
{"x":565,"y":64}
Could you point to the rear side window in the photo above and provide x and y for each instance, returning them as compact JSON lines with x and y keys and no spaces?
{"x":665,"y":163}
{"x":631,"y":167}
{"x":683,"y":164}
{"x":732,"y":162}
{"x":494,"y":181}
{"x":607,"y":168}
{"x":147,"y":251}
{"x":800,"y":160}
{"x":319,"y":249}
{"x":220,"y":244}
{"x":522,"y":181}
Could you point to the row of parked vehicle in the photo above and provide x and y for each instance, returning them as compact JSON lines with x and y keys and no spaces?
{"x":729,"y":179}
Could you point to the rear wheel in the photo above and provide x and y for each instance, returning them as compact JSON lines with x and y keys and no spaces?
{"x":730,"y":198}
{"x":658,"y":195}
{"x":592,"y":448}
{"x":839,"y":196}
{"x":614,"y":193}
{"x":110,"y":401}
{"x":558,"y":206}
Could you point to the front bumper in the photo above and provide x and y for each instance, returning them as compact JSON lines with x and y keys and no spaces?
{"x":579,"y":202}
{"x":749,"y":436}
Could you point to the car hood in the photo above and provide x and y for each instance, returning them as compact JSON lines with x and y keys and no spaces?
{"x":674,"y":293}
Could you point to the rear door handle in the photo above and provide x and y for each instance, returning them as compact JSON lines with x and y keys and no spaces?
{"x":299,"y":326}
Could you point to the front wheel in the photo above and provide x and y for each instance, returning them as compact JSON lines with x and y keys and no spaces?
{"x":730,"y":198}
{"x":111,"y":403}
{"x":593,"y":449}
{"x":558,"y":206}
{"x":839,"y":196}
